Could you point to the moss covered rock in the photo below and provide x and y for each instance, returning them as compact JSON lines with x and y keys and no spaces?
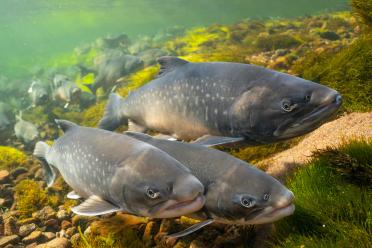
{"x":11,"y":158}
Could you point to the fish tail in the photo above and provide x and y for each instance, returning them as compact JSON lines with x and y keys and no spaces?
{"x":40,"y":151}
{"x":112,"y":117}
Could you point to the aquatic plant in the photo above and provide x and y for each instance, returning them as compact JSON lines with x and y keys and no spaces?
{"x":353,"y":160}
{"x":91,"y":116}
{"x":267,"y":42}
{"x":117,"y":231}
{"x":138,"y":79}
{"x":30,"y":197}
{"x":330,"y":211}
{"x":348,"y":71}
{"x":11,"y":158}
{"x":254,"y":154}
{"x":363,"y":8}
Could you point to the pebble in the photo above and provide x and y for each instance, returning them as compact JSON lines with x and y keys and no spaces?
{"x":27,"y":229}
{"x":6,"y":240}
{"x":4,"y":176}
{"x":48,"y":236}
{"x":35,"y":236}
{"x":62,"y":214}
{"x":10,"y":226}
{"x":55,"y":243}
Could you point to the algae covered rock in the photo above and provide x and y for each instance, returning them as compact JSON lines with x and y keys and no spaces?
{"x":11,"y":158}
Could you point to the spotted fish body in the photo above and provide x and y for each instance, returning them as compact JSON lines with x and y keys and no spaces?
{"x":113,"y":172}
{"x":190,"y":100}
{"x":228,"y":180}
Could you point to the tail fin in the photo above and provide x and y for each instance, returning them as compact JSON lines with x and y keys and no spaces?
{"x":40,"y":151}
{"x":111,"y":118}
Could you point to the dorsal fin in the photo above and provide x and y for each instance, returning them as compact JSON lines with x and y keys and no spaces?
{"x":65,"y":125}
{"x":169,"y":63}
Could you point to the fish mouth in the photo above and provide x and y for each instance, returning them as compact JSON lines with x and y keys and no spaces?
{"x":271,"y":214}
{"x":310,"y":121}
{"x":173,"y":208}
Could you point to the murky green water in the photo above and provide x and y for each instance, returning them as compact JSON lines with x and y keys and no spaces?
{"x":35,"y":30}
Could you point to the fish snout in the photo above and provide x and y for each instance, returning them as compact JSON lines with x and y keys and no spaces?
{"x":188,"y":188}
{"x":325,"y":97}
{"x":285,"y":200}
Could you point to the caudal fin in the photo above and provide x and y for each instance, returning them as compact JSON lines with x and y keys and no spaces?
{"x":112,"y":118}
{"x":40,"y":151}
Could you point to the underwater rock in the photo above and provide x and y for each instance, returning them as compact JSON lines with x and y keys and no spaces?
{"x":56,"y":243}
{"x":34,"y":236}
{"x":7,"y":240}
{"x":329,"y":35}
{"x":112,"y":66}
{"x":26,"y":229}
{"x":4,"y":176}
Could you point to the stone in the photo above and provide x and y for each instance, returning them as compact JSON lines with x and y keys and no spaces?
{"x":48,"y":236}
{"x":53,"y":223}
{"x":27,"y":221}
{"x":55,"y":243}
{"x":62,"y":214}
{"x":35,"y":236}
{"x":33,"y":245}
{"x":150,"y":231}
{"x":6,"y":240}
{"x":10,"y":226}
{"x":18,"y":171}
{"x":65,"y":224}
{"x":27,"y":229}
{"x":4,"y":176}
{"x":45,"y":214}
{"x":71,"y":231}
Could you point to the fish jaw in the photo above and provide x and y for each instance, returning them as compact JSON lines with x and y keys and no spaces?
{"x":312,"y":120}
{"x":174,"y":208}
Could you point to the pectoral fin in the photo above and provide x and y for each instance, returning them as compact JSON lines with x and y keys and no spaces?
{"x":93,"y":206}
{"x":72,"y":195}
{"x":208,"y":140}
{"x":191,"y":229}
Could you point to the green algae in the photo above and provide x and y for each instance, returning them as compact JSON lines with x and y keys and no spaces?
{"x":348,"y":71}
{"x":363,"y":9}
{"x":11,"y":158}
{"x":330,"y":211}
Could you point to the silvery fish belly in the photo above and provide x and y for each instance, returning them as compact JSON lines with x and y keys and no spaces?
{"x":117,"y":173}
{"x":235,"y":191}
{"x":224,"y":102}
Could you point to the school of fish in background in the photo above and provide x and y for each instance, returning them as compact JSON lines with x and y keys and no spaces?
{"x":165,"y":164}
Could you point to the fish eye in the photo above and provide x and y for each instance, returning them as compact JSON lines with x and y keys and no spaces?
{"x":307,"y":98}
{"x":266,"y":197}
{"x":152,"y":193}
{"x":247,"y":202}
{"x":287,"y":106}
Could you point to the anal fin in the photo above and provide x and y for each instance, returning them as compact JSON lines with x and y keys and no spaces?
{"x":191,"y":229}
{"x":208,"y":140}
{"x":72,"y":195}
{"x":95,"y":205}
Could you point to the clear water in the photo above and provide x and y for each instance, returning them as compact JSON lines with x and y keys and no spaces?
{"x":34,"y":30}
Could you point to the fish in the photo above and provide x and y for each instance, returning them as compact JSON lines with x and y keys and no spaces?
{"x":38,"y":93}
{"x":66,"y":91}
{"x":218,"y":103}
{"x":236,"y":192}
{"x":113,"y":172}
{"x":5,"y":121}
{"x":25,"y":131}
{"x":112,"y":67}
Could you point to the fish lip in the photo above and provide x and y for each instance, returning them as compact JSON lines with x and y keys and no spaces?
{"x":309,"y":122}
{"x":274,"y":215}
{"x":173,"y":208}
